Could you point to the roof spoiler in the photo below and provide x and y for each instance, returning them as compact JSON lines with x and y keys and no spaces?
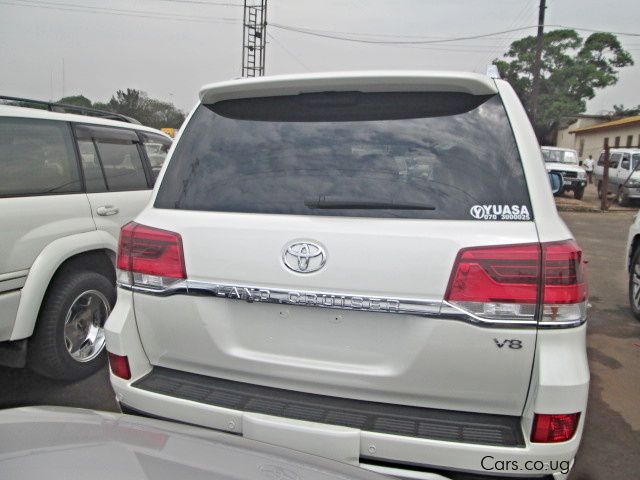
{"x":375,"y":81}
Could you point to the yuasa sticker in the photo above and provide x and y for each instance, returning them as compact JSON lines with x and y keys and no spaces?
{"x":500,"y":212}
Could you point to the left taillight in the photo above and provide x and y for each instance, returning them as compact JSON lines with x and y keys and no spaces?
{"x":149,"y":257}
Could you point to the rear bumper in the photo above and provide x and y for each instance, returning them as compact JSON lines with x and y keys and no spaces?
{"x":409,"y":457}
{"x":397,"y":447}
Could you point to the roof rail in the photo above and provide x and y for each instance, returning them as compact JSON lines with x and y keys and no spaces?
{"x":66,"y":108}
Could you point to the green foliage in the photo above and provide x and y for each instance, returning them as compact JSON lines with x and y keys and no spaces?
{"x":572,"y":70}
{"x":136,"y":104}
{"x":79,"y":100}
{"x":619,"y":111}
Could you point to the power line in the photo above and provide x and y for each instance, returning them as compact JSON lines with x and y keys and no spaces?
{"x":118,"y":12}
{"x":389,"y":42}
{"x":196,"y":2}
{"x":356,"y":39}
{"x":291,"y":54}
{"x":520,"y":17}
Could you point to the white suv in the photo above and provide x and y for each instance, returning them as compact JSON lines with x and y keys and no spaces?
{"x":68,"y":183}
{"x":565,"y":162}
{"x":365,"y":266}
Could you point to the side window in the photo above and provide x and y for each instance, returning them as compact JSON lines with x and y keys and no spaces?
{"x":615,"y":159}
{"x":625,"y":161}
{"x":37,"y":157}
{"x":93,"y":176}
{"x":122,"y":165}
{"x":601,"y":160}
{"x":156,"y":148}
{"x":111,"y":158}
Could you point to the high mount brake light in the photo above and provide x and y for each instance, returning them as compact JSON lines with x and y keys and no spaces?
{"x":554,"y":428}
{"x":511,"y":282}
{"x":149,"y":257}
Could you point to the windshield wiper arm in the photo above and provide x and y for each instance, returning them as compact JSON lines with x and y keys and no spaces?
{"x":328,"y":203}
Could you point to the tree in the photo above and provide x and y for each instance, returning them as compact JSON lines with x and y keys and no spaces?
{"x":151,"y":112}
{"x":619,"y":111}
{"x":571,"y":72}
{"x":79,"y":100}
{"x":136,"y":104}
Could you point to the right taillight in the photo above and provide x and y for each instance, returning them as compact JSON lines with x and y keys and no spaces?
{"x":149,"y":257}
{"x":509,"y":283}
{"x":553,"y":428}
{"x":564,"y":295}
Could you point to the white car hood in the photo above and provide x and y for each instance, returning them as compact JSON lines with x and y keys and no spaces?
{"x":57,"y":443}
{"x":566,"y":167}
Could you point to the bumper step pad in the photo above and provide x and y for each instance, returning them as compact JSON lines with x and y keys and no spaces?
{"x":428,"y":423}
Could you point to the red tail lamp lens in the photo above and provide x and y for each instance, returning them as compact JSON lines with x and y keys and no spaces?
{"x":554,"y":428}
{"x":119,"y":366}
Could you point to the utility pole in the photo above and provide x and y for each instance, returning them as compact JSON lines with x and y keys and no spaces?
{"x":604,"y":189}
{"x":536,"y":67}
{"x":254,"y":38}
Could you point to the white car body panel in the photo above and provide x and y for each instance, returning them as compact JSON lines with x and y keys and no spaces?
{"x":44,"y":268}
{"x":632,"y":237}
{"x":237,"y":339}
{"x":40,"y":232}
{"x":401,"y":359}
{"x":126,"y":204}
{"x":375,"y":81}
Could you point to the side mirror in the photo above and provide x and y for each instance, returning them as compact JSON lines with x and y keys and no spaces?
{"x":555,"y":179}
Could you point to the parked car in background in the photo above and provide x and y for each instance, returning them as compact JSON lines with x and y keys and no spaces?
{"x":624,"y":177}
{"x":56,"y":443}
{"x":68,"y":182}
{"x":565,"y":161}
{"x":632,"y":262}
{"x":369,"y":267}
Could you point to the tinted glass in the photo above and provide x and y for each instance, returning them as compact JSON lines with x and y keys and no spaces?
{"x":614,"y":160}
{"x":560,"y":156}
{"x":122,"y":165}
{"x":156,"y":148}
{"x":418,"y":155}
{"x":625,"y":162}
{"x":36,"y":157}
{"x":635,"y":159}
{"x":93,"y":177}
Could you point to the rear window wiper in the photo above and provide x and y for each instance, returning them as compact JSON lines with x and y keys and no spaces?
{"x":329,"y":202}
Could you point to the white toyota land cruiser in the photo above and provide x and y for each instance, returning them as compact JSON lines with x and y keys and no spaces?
{"x":68,"y":183}
{"x":365,"y":266}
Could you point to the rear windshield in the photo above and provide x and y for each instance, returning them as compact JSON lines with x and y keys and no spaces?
{"x":395,"y":155}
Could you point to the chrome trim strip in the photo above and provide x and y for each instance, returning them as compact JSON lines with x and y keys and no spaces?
{"x":440,"y":309}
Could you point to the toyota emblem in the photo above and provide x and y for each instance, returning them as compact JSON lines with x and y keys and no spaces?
{"x":304,"y":257}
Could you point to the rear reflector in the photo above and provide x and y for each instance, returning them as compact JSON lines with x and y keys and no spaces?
{"x":149,"y":257}
{"x":512,"y":281}
{"x":554,"y":428}
{"x":119,"y":366}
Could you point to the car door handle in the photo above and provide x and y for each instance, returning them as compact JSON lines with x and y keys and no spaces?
{"x":107,"y":210}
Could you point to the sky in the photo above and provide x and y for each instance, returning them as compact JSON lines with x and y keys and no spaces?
{"x":170,"y":48}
